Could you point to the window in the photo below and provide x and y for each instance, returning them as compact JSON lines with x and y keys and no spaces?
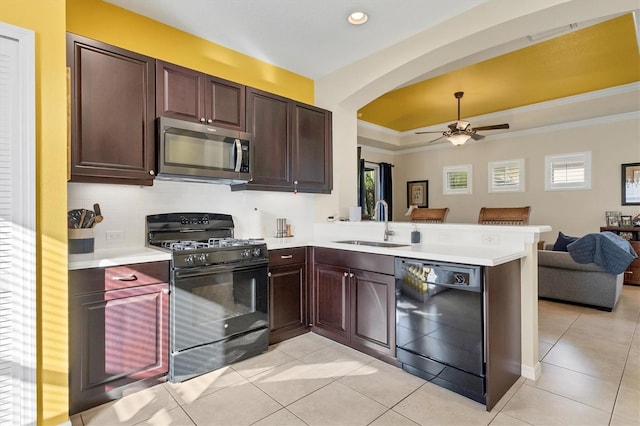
{"x":567,"y":172}
{"x":506,"y":176}
{"x":457,"y":180}
{"x":371,"y":187}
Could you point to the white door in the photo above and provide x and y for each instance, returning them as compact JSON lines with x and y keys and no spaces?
{"x":17,"y":227}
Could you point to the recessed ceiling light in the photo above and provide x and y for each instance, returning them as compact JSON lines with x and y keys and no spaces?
{"x":357,"y":18}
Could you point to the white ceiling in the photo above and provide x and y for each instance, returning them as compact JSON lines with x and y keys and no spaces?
{"x":309,"y":37}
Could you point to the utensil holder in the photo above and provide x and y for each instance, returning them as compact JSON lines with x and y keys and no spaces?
{"x":81,"y":240}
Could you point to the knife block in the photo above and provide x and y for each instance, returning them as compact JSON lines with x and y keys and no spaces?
{"x":81,"y":240}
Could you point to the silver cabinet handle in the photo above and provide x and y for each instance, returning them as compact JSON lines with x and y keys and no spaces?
{"x":209,"y":121}
{"x":202,"y":120}
{"x":269,"y":274}
{"x":346,"y":274}
{"x":351,"y":275}
{"x":286,"y":256}
{"x":151,"y":172}
{"x":130,"y":277}
{"x":165,"y":290}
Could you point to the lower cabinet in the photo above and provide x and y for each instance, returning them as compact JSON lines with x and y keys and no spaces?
{"x":288,"y":295}
{"x":118,"y":331}
{"x":354,"y":299}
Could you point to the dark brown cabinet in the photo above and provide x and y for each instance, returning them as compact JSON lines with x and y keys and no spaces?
{"x":112,"y":93}
{"x":190,"y":95}
{"x":292,"y":144}
{"x":502,"y":327}
{"x":631,"y":234}
{"x":288,"y":301}
{"x":354,"y":299}
{"x":118,"y":331}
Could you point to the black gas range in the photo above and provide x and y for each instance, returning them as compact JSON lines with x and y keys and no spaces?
{"x":218,"y":292}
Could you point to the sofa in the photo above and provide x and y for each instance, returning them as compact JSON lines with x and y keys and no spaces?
{"x":563,"y":279}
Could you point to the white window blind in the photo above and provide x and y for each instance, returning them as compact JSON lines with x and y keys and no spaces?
{"x":8,"y":71}
{"x":457,"y":180}
{"x":17,"y":226}
{"x":506,"y":176}
{"x":568,"y":171}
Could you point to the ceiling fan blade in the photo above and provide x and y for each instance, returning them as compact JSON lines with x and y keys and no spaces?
{"x":453,"y":126}
{"x":422,"y":133}
{"x":494,"y":127}
{"x":475,"y":136}
{"x":436,"y":139}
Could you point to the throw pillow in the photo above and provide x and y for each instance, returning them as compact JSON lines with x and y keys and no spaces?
{"x":563,"y":241}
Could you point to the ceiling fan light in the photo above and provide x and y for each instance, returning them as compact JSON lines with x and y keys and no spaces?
{"x":458,"y":138}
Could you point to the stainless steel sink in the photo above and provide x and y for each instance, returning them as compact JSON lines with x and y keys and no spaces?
{"x":371,"y":243}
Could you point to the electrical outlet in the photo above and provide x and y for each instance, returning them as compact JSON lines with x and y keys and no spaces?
{"x":490,"y":239}
{"x":113,"y":237}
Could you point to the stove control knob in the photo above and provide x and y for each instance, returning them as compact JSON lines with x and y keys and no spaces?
{"x":189,"y":260}
{"x":203,"y":258}
{"x":256,"y":252}
{"x":246,"y":253}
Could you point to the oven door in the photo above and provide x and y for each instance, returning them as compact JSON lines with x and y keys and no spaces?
{"x":213,"y":303}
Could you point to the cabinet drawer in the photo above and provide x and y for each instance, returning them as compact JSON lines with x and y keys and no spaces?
{"x":85,"y":281}
{"x":287,"y":256}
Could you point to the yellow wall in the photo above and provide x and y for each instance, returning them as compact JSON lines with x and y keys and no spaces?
{"x":47,"y":20}
{"x":111,"y":24}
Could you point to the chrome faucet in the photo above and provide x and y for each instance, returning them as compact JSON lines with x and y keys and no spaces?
{"x":385,"y":208}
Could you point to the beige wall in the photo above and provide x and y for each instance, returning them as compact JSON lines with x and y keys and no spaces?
{"x":572,"y":212}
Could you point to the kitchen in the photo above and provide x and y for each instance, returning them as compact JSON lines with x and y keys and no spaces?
{"x":298,"y":208}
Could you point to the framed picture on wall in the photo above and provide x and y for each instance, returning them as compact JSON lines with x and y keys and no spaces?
{"x":630,"y":184}
{"x":418,"y":193}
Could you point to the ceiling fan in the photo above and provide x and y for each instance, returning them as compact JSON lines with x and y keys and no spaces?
{"x":461,"y":131}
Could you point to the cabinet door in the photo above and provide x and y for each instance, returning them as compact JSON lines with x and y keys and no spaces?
{"x":268,"y":121}
{"x":180,"y":92}
{"x":331,"y":302}
{"x":311,"y":159}
{"x":113,"y":112}
{"x":224,"y":103}
{"x":373,"y":311}
{"x":287,"y":302}
{"x":632,"y":274}
{"x":116,"y":338}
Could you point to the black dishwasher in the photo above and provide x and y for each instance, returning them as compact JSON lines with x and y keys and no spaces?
{"x":439,"y":324}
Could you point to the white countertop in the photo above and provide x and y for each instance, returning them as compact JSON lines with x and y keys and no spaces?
{"x":468,"y":244}
{"x":477,"y":255}
{"x":115,"y":257}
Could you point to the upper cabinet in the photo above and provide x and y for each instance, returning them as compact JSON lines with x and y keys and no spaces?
{"x":292,"y":144}
{"x":112,"y":95}
{"x":116,"y":96}
{"x":194,"y":96}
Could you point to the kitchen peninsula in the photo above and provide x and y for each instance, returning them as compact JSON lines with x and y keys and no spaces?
{"x":471,"y":244}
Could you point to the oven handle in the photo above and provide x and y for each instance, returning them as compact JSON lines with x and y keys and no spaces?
{"x":208,"y":270}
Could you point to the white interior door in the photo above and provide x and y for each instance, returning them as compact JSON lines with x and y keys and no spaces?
{"x":17,"y":227}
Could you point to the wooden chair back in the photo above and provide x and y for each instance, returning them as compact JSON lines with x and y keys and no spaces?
{"x":429,"y":215}
{"x":504,"y":215}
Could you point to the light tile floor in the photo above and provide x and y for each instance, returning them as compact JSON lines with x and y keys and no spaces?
{"x":591,"y":376}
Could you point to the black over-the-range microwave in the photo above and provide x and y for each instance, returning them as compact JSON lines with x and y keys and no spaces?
{"x":199,"y":152}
